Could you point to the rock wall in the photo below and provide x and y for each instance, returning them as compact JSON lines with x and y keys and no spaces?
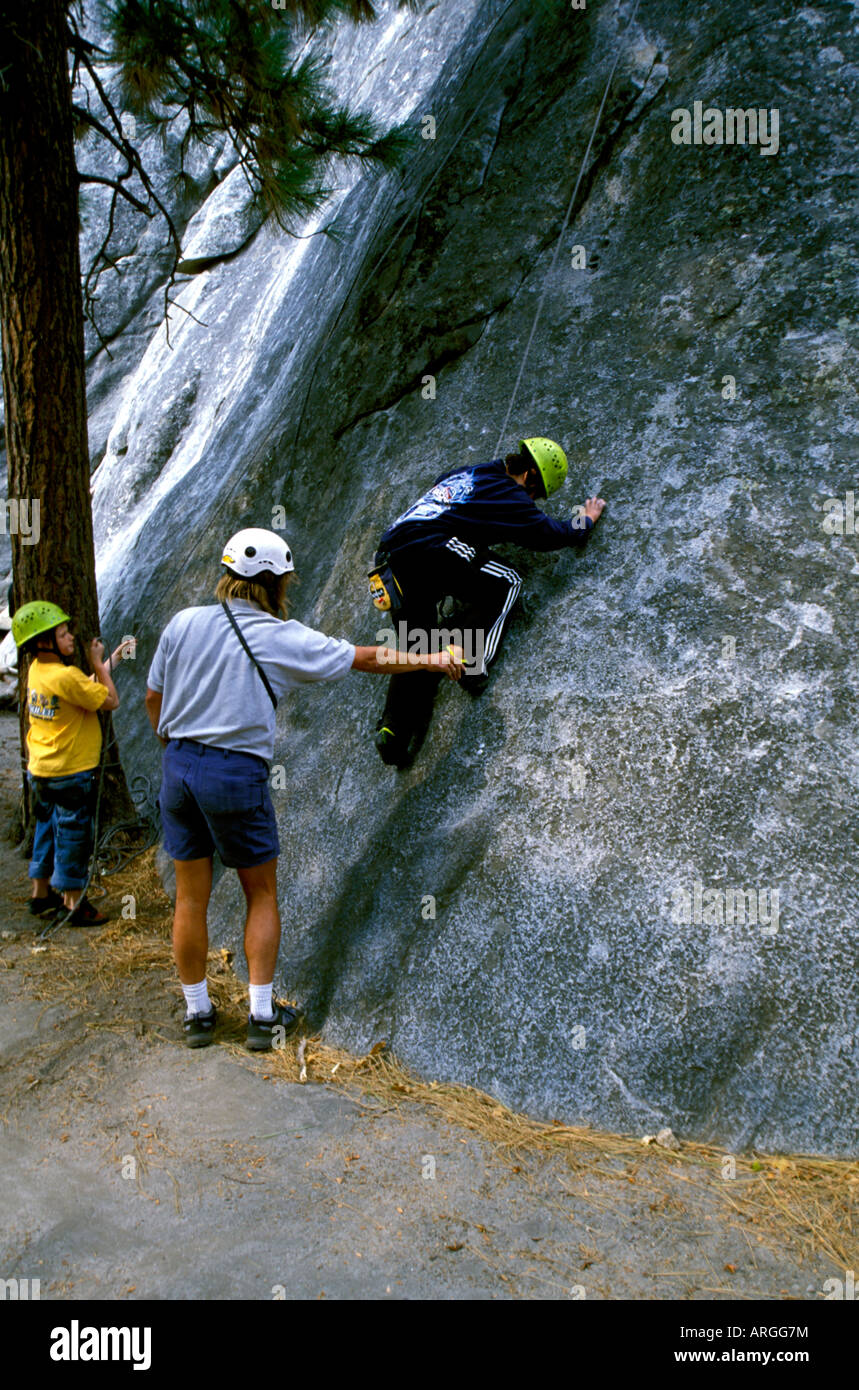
{"x":541,"y":906}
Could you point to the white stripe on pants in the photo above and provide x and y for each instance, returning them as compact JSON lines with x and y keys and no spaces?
{"x":493,"y":637}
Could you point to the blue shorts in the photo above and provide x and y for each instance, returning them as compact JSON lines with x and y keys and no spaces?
{"x":216,"y":799}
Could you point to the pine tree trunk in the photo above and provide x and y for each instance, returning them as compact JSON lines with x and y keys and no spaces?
{"x":44,"y":383}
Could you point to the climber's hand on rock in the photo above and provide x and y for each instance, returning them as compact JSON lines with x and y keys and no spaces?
{"x":594,"y":508}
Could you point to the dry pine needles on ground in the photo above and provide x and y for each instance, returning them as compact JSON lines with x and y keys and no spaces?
{"x":809,"y":1203}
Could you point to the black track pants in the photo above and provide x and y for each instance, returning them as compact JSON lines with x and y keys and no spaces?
{"x":487,"y":587}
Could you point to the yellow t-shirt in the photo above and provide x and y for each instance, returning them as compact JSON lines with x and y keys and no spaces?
{"x":64,"y":734}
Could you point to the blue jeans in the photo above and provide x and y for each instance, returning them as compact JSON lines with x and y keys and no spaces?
{"x":62,"y":844}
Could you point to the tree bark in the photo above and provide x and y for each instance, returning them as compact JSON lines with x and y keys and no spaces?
{"x":44,"y":382}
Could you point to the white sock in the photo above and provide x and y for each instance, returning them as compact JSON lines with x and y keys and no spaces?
{"x":197,"y":999}
{"x":261,"y":1001}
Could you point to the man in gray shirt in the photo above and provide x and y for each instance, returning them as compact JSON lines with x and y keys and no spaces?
{"x":210,"y":690}
{"x":211,"y":693}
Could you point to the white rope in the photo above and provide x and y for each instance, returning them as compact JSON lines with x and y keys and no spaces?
{"x":630,"y":21}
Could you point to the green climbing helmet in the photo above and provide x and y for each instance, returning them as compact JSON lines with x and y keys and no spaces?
{"x":34,"y":618}
{"x":550,"y":460}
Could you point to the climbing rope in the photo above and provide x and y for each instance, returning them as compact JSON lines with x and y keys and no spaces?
{"x":108,"y":857}
{"x":567,"y":216}
{"x":359,"y":282}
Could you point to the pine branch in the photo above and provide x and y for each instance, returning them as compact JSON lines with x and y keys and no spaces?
{"x":84,"y":177}
{"x":134,"y":164}
{"x":228,"y":66}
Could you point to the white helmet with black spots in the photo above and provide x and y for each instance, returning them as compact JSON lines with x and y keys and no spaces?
{"x":253,"y":551}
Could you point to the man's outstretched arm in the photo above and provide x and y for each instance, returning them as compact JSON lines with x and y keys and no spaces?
{"x":386,"y":661}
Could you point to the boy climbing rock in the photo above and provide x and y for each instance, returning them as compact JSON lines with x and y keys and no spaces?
{"x":64,"y":749}
{"x":439,"y":548}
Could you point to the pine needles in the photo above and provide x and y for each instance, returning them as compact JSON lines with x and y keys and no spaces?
{"x":806,"y":1204}
{"x":240,"y":68}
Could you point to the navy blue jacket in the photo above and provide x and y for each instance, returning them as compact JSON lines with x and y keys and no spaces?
{"x":482,"y":505}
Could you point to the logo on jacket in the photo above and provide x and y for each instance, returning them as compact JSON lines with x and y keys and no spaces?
{"x":439,"y":498}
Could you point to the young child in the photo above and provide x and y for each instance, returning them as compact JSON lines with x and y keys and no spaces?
{"x":64,"y":749}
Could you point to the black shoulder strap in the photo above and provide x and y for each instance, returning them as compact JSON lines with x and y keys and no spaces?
{"x":240,"y":635}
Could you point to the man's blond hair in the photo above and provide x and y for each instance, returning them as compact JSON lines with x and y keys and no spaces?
{"x":266,"y":589}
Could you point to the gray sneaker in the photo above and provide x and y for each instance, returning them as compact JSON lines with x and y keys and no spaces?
{"x":261,"y":1031}
{"x":199,"y":1029}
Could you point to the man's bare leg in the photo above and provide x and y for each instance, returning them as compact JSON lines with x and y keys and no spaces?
{"x":262,"y":925}
{"x":190,"y":931}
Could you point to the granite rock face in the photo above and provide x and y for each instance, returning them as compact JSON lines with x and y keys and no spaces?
{"x":224,"y":224}
{"x":618,"y":888}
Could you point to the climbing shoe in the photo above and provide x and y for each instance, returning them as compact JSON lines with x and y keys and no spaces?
{"x":39,"y":906}
{"x":474,"y":685}
{"x":199,"y":1028}
{"x":392,"y":749}
{"x":261,"y":1031}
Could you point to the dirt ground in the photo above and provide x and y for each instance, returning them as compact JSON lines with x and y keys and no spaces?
{"x":134,"y":1168}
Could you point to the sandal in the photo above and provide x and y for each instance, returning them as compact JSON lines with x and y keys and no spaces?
{"x":84,"y":915}
{"x":50,"y":900}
